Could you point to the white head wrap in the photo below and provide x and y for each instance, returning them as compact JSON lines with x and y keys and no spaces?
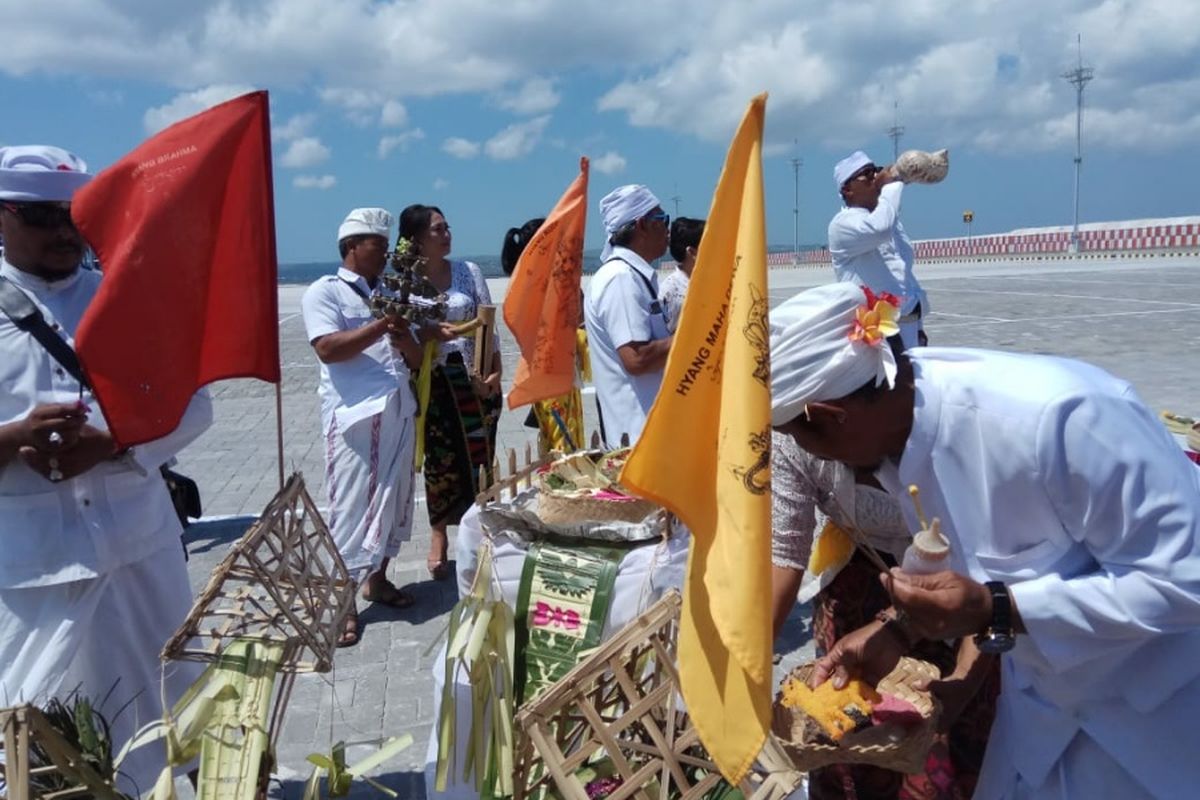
{"x":621,"y":206}
{"x":850,"y":165}
{"x":813,"y":357}
{"x":366,"y":221}
{"x":38,"y":173}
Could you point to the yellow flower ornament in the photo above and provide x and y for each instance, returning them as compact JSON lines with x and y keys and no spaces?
{"x":878,"y":319}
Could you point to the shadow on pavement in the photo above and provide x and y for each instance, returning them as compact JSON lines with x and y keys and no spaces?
{"x":434,"y":599}
{"x":205,"y":535}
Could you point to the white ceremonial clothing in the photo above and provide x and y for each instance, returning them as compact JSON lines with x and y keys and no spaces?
{"x":359,"y":387}
{"x":871,"y":248}
{"x":367,"y":415}
{"x":1051,"y":476}
{"x":621,"y":306}
{"x":114,"y":514}
{"x":92,"y":573}
{"x":369,"y":479}
{"x":644,"y":575}
{"x":102,"y":636}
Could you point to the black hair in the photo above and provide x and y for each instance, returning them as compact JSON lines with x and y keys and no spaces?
{"x":345,"y":245}
{"x":515,"y":241}
{"x":623,"y":236}
{"x":414,"y":222}
{"x":685,"y":233}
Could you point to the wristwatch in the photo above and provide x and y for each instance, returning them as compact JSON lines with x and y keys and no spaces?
{"x":998,"y":637}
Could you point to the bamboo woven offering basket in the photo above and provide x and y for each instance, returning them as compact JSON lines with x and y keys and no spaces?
{"x":555,"y":509}
{"x":887,"y":746}
{"x":25,"y":732}
{"x":623,"y":704}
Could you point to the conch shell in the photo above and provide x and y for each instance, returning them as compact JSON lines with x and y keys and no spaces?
{"x":918,"y":166}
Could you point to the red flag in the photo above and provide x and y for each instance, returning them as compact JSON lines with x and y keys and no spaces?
{"x":542,"y":304}
{"x":184,"y":227}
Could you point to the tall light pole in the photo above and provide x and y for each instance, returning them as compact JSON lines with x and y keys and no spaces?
{"x":675,"y":198}
{"x":797,"y":163}
{"x":1078,"y":78}
{"x":896,"y":131}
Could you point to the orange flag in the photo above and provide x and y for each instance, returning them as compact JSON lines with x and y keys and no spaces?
{"x":705,"y":454}
{"x":542,"y":305}
{"x":184,"y":227}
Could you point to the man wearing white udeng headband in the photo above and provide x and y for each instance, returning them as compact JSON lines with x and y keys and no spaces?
{"x":1073,"y":520}
{"x":92,"y":578}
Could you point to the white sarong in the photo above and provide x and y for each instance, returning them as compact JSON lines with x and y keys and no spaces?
{"x":369,"y":479}
{"x":102,"y":637}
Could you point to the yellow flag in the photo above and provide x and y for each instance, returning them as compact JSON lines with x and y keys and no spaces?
{"x":705,"y":454}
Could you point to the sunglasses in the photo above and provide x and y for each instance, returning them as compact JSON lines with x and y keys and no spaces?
{"x":868,"y":174}
{"x":40,"y":215}
{"x":659,"y":216}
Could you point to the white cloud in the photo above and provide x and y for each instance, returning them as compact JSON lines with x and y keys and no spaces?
{"x":517,"y":139}
{"x":400,"y":141}
{"x":189,"y":103}
{"x":321,"y":182}
{"x":304,"y":152}
{"x":535,"y":96}
{"x":365,"y":107}
{"x":460,"y":147}
{"x":296,"y":126}
{"x":393,"y":114}
{"x":977,"y":74}
{"x":440,"y":184}
{"x":609,"y":164}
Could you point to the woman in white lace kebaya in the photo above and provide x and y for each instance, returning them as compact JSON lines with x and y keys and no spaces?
{"x":811,"y":498}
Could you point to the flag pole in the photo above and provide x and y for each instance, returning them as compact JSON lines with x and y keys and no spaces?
{"x":279,"y":427}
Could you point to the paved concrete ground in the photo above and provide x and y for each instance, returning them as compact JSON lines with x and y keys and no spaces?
{"x":1140,"y":320}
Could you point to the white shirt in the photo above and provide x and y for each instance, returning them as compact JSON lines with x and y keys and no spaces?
{"x":870,"y":248}
{"x":359,"y":387}
{"x":672,"y":293}
{"x":621,"y":306}
{"x":1051,"y":476}
{"x":114,"y":514}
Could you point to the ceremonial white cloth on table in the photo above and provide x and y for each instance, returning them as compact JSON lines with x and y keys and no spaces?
{"x":643,"y":576}
{"x":368,"y":419}
{"x":1050,"y":475}
{"x":871,"y":248}
{"x":92,"y":574}
{"x":621,"y":306}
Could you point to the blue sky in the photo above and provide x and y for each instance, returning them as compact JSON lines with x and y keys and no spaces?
{"x":484,"y":108}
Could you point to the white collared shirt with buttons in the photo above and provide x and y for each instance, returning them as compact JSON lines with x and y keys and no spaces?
{"x":359,"y":387}
{"x":620,"y":308}
{"x":116,"y":513}
{"x":871,"y":248}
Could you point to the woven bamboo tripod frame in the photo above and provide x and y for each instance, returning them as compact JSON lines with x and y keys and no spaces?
{"x":623,"y":703}
{"x":23,"y":726}
{"x":282,"y":582}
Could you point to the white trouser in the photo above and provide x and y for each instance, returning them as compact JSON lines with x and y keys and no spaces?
{"x":102,"y":637}
{"x":369,"y":478}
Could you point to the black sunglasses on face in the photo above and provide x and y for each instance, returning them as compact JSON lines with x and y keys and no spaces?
{"x":40,"y":215}
{"x":659,"y":216}
{"x":867,"y":174}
